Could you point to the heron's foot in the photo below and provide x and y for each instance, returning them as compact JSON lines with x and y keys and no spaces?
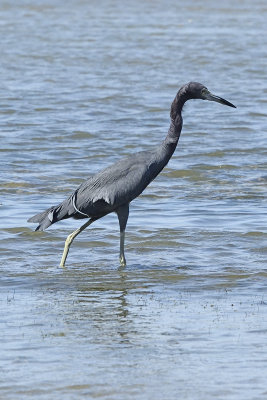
{"x":122,"y":261}
{"x":63,"y":259}
{"x":70,"y":239}
{"x":62,"y":264}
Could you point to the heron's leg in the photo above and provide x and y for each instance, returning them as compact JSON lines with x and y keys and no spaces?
{"x":122,"y":256}
{"x":123,"y":213}
{"x":70,"y":239}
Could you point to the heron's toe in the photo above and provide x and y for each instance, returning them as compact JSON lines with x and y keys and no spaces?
{"x":122,"y":261}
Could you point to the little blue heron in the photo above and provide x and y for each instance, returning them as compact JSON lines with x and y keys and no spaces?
{"x":112,"y":189}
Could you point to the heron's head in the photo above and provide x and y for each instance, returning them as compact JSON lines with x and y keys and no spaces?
{"x":195,"y":90}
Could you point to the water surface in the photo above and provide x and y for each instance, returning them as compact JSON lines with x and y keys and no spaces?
{"x":84,"y":84}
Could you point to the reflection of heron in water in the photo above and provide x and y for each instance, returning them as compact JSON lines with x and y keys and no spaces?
{"x":112,"y":189}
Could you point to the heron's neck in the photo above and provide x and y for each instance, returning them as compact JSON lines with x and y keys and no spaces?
{"x":174,"y":132}
{"x":168,"y":146}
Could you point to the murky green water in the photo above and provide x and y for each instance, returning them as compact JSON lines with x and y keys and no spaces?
{"x":82,"y":84}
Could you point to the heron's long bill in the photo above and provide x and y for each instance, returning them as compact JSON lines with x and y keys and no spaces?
{"x":212,"y":97}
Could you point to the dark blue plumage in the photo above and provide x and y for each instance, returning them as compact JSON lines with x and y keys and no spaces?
{"x":112,"y":189}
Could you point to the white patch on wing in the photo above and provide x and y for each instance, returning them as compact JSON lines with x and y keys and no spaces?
{"x":102,"y":197}
{"x":50,"y":216}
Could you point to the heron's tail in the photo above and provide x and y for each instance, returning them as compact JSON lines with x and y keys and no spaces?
{"x":53,"y":214}
{"x":44,"y":219}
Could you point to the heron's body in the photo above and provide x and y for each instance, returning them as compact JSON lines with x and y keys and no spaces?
{"x":112,"y":189}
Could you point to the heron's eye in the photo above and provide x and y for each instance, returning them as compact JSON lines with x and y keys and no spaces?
{"x":204,"y":91}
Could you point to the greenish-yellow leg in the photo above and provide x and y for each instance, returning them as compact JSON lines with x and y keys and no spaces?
{"x":122,"y":256}
{"x":70,"y":239}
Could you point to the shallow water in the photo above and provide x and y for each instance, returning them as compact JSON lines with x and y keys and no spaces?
{"x":83,"y":85}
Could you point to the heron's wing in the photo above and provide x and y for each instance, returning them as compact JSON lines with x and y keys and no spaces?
{"x":116,"y":185}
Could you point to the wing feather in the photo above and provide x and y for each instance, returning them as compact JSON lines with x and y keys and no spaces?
{"x":115,"y":185}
